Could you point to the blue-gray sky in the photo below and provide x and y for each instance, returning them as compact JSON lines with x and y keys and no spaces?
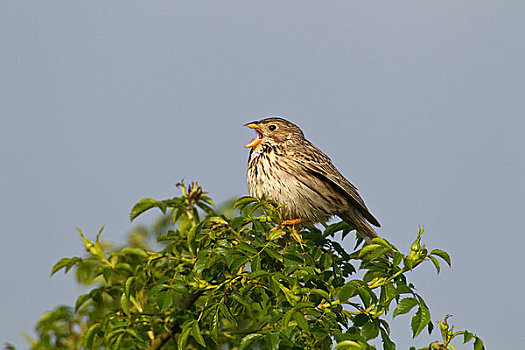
{"x":420,"y":104}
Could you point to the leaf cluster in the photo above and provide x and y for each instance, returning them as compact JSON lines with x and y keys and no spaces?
{"x":243,"y":282}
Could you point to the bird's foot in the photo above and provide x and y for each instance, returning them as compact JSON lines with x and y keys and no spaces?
{"x":293,"y":232}
{"x":291,"y":222}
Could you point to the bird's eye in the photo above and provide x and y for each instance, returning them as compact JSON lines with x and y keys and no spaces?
{"x":272,"y":127}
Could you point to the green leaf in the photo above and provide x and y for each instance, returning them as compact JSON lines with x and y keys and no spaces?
{"x":287,"y":292}
{"x":320,"y":333}
{"x":114,"y":336}
{"x":405,"y":305}
{"x":324,"y":294}
{"x":125,"y":304}
{"x":370,"y":330}
{"x":81,"y":300}
{"x":339,"y":226}
{"x":217,"y":220}
{"x":243,"y":201}
{"x":247,"y":248}
{"x":191,"y":238}
{"x":89,"y":337}
{"x":238,"y":263}
{"x":134,"y":251}
{"x":366,"y":295}
{"x":237,"y":297}
{"x":398,"y":257}
{"x":273,"y":253}
{"x":257,"y":274}
{"x":226,"y":313}
{"x":443,"y":255}
{"x":287,"y":317}
{"x":467,"y":336}
{"x":252,"y":208}
{"x":384,"y":242}
{"x":59,"y":265}
{"x":326,"y":261}
{"x":247,"y":340}
{"x":214,"y":327}
{"x":387,"y":343}
{"x":177,"y":213}
{"x":68,"y":263}
{"x":116,"y":345}
{"x":238,"y":222}
{"x":345,"y":292}
{"x":124,"y":267}
{"x":207,"y":199}
{"x":184,"y":334}
{"x":107,"y":272}
{"x":360,"y":320}
{"x":133,"y":332}
{"x":129,"y":284}
{"x":368,"y":249}
{"x":350,"y":345}
{"x":256,"y":263}
{"x":142,"y":206}
{"x":420,"y":320}
{"x":301,"y":321}
{"x":294,"y":258}
{"x":478,"y":344}
{"x":430,"y":327}
{"x":163,"y":300}
{"x":373,"y":251}
{"x":276,"y":234}
{"x":384,"y":326}
{"x":196,"y":332}
{"x":435,"y":262}
{"x":207,"y":209}
{"x":388,"y":293}
{"x":272,"y":340}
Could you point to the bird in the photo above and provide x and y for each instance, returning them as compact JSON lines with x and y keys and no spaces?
{"x":287,"y":169}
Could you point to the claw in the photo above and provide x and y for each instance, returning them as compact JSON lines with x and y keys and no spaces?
{"x":293,"y":222}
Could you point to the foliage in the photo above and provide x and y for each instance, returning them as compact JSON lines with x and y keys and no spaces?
{"x":218,"y":282}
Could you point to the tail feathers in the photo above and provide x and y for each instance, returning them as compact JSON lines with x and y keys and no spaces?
{"x":363,"y":228}
{"x":367,"y":232}
{"x":359,"y":223}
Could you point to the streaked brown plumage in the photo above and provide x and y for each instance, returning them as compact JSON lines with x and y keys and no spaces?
{"x":286,"y":168}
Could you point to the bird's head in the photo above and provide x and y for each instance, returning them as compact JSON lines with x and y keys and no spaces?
{"x":273,"y":131}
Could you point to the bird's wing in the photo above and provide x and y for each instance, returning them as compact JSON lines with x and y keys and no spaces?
{"x":318,"y":164}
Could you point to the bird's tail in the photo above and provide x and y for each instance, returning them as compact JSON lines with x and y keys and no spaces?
{"x":366,"y":232}
{"x":359,"y":223}
{"x":363,"y":227}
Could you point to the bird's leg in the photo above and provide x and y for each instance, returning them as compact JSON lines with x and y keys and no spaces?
{"x":291,"y":222}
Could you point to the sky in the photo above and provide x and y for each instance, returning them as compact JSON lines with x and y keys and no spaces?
{"x":419,"y":104}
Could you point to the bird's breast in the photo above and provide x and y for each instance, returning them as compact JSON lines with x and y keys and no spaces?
{"x":276,"y":176}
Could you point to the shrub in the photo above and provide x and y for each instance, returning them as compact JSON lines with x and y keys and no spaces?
{"x":218,"y":281}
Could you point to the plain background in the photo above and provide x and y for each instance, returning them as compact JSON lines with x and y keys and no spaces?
{"x":420,"y":104}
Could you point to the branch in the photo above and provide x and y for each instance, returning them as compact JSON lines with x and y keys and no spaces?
{"x":158,"y":343}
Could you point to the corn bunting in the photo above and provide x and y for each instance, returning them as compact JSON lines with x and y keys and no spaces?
{"x":287,"y":169}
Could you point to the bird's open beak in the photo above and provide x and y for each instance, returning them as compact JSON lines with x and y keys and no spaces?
{"x":259,"y":138}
